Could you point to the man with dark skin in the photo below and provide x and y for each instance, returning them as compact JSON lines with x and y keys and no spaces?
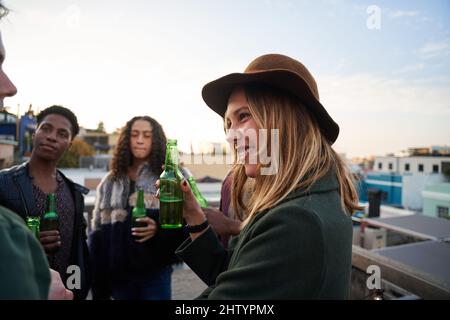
{"x":24,"y":189}
{"x":51,"y":139}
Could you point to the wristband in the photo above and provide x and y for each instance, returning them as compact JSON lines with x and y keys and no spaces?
{"x":197,"y":228}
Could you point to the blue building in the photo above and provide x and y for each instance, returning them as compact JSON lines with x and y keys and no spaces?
{"x":390,"y":184}
{"x":16,"y":135}
{"x":27,"y":126}
{"x":8,"y":125}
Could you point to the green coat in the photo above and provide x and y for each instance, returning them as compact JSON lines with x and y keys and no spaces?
{"x":300,"y":249}
{"x":24,"y":270}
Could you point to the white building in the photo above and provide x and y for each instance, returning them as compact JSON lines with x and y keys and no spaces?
{"x":411,"y":165}
{"x":410,"y":174}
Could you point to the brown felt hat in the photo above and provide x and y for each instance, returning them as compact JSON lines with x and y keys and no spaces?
{"x":278,"y":71}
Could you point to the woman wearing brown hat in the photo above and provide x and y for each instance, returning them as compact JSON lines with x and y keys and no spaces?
{"x":296,"y":239}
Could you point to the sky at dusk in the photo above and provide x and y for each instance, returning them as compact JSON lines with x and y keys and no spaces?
{"x":382,"y":67}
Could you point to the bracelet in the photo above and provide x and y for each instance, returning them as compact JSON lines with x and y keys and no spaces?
{"x":197,"y":228}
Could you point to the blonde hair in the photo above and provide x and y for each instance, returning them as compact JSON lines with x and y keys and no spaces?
{"x":304,"y":155}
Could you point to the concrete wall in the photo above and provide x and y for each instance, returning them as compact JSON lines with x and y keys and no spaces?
{"x":413,"y":185}
{"x":435,"y":195}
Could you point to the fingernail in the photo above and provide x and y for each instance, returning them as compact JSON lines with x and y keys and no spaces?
{"x":59,"y":243}
{"x":133,"y":229}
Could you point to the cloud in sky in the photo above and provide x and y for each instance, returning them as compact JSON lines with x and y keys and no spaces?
{"x":435,"y":49}
{"x":378,"y":114}
{"x":410,"y":68}
{"x":400,"y":14}
{"x":365,"y":92}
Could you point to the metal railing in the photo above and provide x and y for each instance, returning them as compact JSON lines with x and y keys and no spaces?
{"x":425,"y":286}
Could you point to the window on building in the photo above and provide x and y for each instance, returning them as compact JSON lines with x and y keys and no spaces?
{"x":380,"y":165}
{"x":406,"y":166}
{"x":420,"y":167}
{"x":390,"y":165}
{"x":435,"y":168}
{"x":443,"y":212}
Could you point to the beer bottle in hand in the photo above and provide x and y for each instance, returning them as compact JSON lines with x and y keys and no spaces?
{"x":170,"y":193}
{"x":197,"y":194}
{"x":139,"y":210}
{"x":33,"y":224}
{"x":50,"y":221}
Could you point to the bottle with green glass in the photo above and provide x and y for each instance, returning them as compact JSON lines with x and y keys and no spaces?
{"x":197,"y":194}
{"x":139,"y":210}
{"x":50,"y":220}
{"x":33,"y":224}
{"x":170,"y":193}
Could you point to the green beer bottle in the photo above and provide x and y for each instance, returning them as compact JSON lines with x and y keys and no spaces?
{"x":170,"y":193}
{"x":197,"y":194}
{"x":50,"y":221}
{"x":33,"y":224}
{"x":139,"y":210}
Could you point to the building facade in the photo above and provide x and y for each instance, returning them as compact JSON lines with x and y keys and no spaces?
{"x":412,"y":165}
{"x":8,"y":132}
{"x":403,"y":179}
{"x":436,"y":200}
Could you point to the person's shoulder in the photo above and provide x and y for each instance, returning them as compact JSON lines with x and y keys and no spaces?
{"x":73,"y":184}
{"x":106,"y":179}
{"x":105,"y":183}
{"x":326,"y":205}
{"x":296,"y":208}
{"x":8,"y":175}
{"x":310,"y":213}
{"x":9,"y":172}
{"x":290,"y":215}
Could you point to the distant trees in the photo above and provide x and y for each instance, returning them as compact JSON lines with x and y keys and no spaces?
{"x":71,"y":158}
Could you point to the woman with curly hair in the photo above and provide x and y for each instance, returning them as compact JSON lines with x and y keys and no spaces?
{"x":132,"y":263}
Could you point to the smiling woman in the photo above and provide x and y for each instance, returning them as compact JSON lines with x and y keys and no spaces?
{"x":296,"y":224}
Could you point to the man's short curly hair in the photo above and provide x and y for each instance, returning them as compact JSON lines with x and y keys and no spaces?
{"x":66,"y":113}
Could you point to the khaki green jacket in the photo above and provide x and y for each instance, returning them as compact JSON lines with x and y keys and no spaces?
{"x":300,"y":249}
